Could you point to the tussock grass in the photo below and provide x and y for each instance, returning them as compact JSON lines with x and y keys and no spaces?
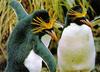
{"x":8,"y":18}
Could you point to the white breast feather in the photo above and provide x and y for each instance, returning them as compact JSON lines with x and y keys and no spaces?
{"x":76,"y":50}
{"x":33,"y":62}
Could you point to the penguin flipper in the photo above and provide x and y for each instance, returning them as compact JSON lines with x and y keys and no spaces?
{"x":46,"y":55}
{"x":19,"y":10}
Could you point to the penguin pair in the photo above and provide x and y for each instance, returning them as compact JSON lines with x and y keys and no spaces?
{"x":76,"y":50}
{"x":25,"y":41}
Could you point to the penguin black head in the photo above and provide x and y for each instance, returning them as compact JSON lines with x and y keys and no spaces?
{"x":43,"y":24}
{"x":42,"y":14}
{"x":76,"y":14}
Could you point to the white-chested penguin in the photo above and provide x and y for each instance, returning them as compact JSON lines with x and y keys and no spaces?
{"x":26,"y":37}
{"x":43,"y":25}
{"x":76,"y":50}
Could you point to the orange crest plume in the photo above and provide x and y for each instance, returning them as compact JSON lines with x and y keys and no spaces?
{"x":78,"y":14}
{"x":42,"y":25}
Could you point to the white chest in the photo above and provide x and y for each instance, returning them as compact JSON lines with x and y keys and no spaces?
{"x":76,"y":49}
{"x":33,"y":62}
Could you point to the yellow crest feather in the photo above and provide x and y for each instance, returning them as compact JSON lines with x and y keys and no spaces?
{"x":42,"y":25}
{"x":78,"y":14}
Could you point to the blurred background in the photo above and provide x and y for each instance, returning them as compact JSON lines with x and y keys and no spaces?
{"x":60,"y":8}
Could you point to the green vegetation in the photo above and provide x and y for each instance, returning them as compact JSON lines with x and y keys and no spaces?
{"x":59,"y":7}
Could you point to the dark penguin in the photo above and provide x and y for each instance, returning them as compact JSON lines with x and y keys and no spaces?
{"x":27,"y":36}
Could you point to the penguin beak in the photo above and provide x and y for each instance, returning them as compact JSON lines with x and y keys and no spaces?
{"x":87,"y":22}
{"x":53,"y":35}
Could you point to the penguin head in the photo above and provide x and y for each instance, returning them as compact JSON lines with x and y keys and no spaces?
{"x":78,"y":15}
{"x":44,"y":24}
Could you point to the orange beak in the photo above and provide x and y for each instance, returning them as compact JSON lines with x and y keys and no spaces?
{"x":53,"y":35}
{"x":88,"y":23}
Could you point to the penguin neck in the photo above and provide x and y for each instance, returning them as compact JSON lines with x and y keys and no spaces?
{"x":77,"y":23}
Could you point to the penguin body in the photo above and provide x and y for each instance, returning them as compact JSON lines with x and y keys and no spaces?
{"x":32,"y":62}
{"x":18,"y":47}
{"x":23,"y":39}
{"x":76,"y":49}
